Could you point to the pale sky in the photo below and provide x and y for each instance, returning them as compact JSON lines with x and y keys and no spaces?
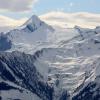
{"x":25,"y":8}
{"x":14,"y":12}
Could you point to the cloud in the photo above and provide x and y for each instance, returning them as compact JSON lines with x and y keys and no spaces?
{"x":61,"y":19}
{"x":7,"y":23}
{"x":55,"y":18}
{"x":16,"y":5}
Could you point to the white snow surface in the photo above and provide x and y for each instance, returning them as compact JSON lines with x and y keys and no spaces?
{"x":73,"y":62}
{"x":21,"y":94}
{"x":70,"y":57}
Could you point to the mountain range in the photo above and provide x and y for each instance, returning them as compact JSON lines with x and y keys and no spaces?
{"x":43,"y":62}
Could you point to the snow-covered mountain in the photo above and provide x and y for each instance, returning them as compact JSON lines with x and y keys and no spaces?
{"x":33,"y":32}
{"x":64,"y":62}
{"x":20,"y":77}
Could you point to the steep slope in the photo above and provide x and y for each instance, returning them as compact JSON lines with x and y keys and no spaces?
{"x":90,"y":88}
{"x":14,"y":92}
{"x":35,"y":35}
{"x":33,"y":32}
{"x":18,"y":68}
{"x":73,"y":63}
{"x":19,"y":75}
{"x":64,"y":63}
{"x":5,"y":43}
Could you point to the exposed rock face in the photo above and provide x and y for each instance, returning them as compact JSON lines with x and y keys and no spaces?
{"x":63,"y":65}
{"x":89,"y":92}
{"x":18,"y":68}
{"x":5,"y":43}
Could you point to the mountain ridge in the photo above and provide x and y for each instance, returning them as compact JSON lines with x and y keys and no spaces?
{"x":57,"y":65}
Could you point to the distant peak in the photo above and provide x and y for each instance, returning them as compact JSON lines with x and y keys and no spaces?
{"x":33,"y":20}
{"x":34,"y":17}
{"x":32,"y":24}
{"x":77,"y":27}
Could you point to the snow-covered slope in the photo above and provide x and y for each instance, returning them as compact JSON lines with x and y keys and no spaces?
{"x":20,"y":77}
{"x":35,"y":35}
{"x":64,"y":62}
{"x":31,"y":33}
{"x":73,"y":64}
{"x":19,"y":74}
{"x":14,"y":92}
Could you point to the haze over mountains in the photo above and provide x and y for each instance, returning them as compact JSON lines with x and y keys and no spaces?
{"x":50,"y":62}
{"x":62,"y":19}
{"x":57,"y":18}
